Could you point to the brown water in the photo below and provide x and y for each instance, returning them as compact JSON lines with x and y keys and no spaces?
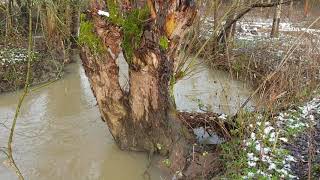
{"x":215,"y":90}
{"x":60,"y":134}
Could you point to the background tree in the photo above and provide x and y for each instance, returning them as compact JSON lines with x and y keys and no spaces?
{"x":276,"y":19}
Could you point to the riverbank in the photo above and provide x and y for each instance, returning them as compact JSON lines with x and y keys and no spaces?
{"x":255,"y":145}
{"x":280,"y":139}
{"x":13,"y":68}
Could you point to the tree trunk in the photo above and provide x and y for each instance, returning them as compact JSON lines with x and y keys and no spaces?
{"x":9,"y":19}
{"x":75,"y":22}
{"x":269,"y":10}
{"x":143,"y":118}
{"x":276,"y":20}
{"x":290,"y":10}
{"x":306,"y":8}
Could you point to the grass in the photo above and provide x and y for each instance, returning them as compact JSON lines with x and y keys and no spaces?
{"x":257,"y":149}
{"x":88,"y":38}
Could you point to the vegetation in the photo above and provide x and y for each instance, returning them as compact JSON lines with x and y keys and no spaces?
{"x":164,"y":42}
{"x":87,"y":37}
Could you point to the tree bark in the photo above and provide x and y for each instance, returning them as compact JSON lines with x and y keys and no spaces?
{"x":143,"y":118}
{"x":306,"y":8}
{"x":276,"y":20}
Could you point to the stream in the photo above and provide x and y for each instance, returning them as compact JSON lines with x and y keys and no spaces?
{"x":60,"y":134}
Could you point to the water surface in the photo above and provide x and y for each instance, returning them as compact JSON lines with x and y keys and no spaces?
{"x":60,"y":134}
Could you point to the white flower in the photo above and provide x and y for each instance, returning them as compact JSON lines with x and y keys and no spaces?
{"x":266,"y":150}
{"x":258,"y":147}
{"x":253,"y":136}
{"x":272,"y":137}
{"x":272,"y":166}
{"x":283,"y":139}
{"x":290,"y":158}
{"x":250,"y":174}
{"x":268,"y":129}
{"x":252,"y":164}
{"x":251,"y":157}
{"x":223,"y":116}
{"x":103,"y":13}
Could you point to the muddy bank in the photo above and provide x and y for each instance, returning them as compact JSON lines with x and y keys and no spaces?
{"x":13,"y":68}
{"x":305,"y":147}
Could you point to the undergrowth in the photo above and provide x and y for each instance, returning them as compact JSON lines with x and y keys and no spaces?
{"x":258,"y":151}
{"x":132,"y":26}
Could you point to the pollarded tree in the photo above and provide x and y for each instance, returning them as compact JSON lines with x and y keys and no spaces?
{"x":148,"y":33}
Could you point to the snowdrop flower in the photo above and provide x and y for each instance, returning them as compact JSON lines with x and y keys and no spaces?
{"x":266,"y":150}
{"x":268,"y":129}
{"x":223,"y":116}
{"x":252,"y":164}
{"x":258,"y":147}
{"x":272,"y":137}
{"x":250,"y":174}
{"x":250,"y":155}
{"x":290,"y":158}
{"x":272,"y":166}
{"x":103,"y":13}
{"x":253,"y":136}
{"x":283,"y":139}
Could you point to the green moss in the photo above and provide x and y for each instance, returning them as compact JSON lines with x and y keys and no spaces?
{"x":88,"y":37}
{"x":132,"y":26}
{"x":164,"y":43}
{"x":115,"y":17}
{"x":133,"y":29}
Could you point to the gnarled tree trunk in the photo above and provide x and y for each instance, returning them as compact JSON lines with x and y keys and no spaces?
{"x":142,"y":118}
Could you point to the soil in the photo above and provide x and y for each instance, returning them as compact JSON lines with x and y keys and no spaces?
{"x":13,"y":70}
{"x":306,"y":149}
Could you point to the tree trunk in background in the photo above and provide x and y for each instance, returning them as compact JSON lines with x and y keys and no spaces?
{"x":215,"y":14}
{"x":269,"y":10}
{"x":9,"y":19}
{"x":142,"y":119}
{"x":75,"y":22}
{"x":306,"y":7}
{"x":290,"y":9}
{"x":60,"y":23}
{"x":276,"y":20}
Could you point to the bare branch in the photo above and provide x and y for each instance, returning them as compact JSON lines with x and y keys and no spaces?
{"x":247,"y":10}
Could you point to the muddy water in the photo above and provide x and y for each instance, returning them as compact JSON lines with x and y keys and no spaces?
{"x":211,"y":90}
{"x":60,"y":135}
